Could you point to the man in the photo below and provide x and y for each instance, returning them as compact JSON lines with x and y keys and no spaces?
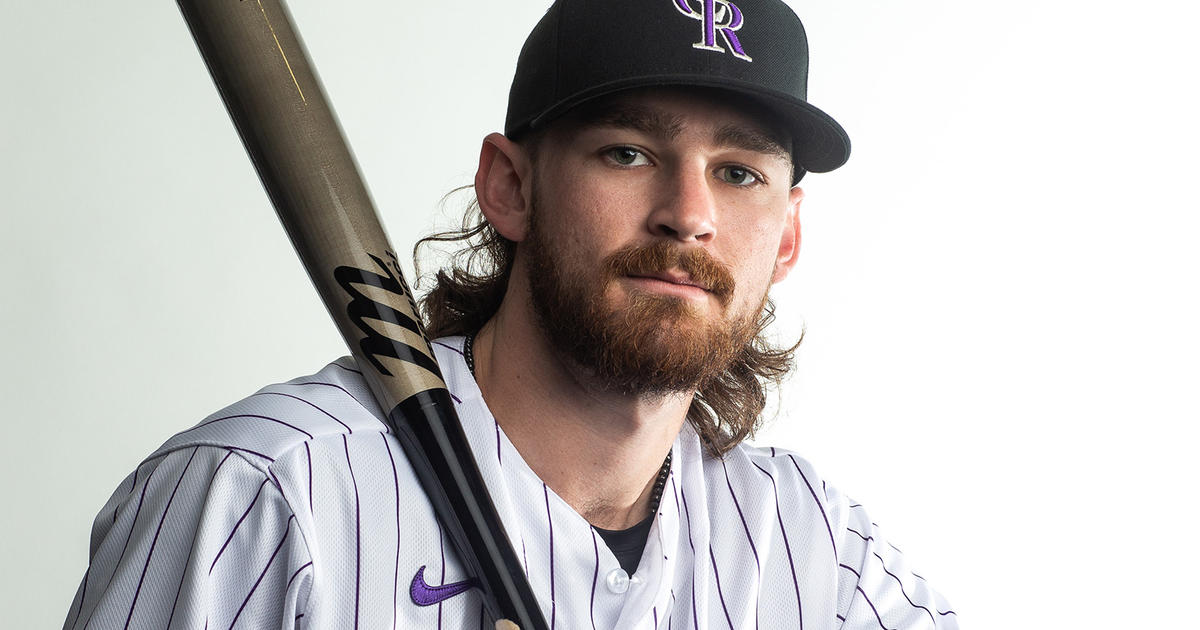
{"x":603,"y":349}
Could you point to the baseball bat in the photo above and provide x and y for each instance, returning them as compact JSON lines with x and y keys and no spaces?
{"x":278,"y":106}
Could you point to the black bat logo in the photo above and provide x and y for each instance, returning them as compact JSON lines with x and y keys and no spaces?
{"x":361,"y":308}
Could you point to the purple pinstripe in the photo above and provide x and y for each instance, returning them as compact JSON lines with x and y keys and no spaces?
{"x":278,"y":547}
{"x":83,"y":595}
{"x":717,"y":577}
{"x":351,"y":370}
{"x":154,"y":541}
{"x":859,"y":575}
{"x":442,"y":548}
{"x":902,"y":591}
{"x":451,"y":348}
{"x":686,"y":514}
{"x":192,"y":550}
{"x":246,"y":450}
{"x":132,"y":487}
{"x":818,"y":502}
{"x":595,"y":577}
{"x":357,"y":533}
{"x":295,"y":575}
{"x":278,"y":483}
{"x":248,"y":415}
{"x":746,"y":527}
{"x":335,"y":386}
{"x":307,"y":402}
{"x":308,"y":458}
{"x":674,"y":490}
{"x":499,"y":458}
{"x":396,"y":574}
{"x":868,"y":600}
{"x":127,"y":537}
{"x":754,"y":550}
{"x":237,"y":525}
{"x":787,"y":546}
{"x":136,"y":513}
{"x":860,"y":535}
{"x":550,"y":523}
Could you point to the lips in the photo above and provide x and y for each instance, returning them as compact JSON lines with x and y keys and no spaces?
{"x":687,"y":269}
{"x":673,"y":277}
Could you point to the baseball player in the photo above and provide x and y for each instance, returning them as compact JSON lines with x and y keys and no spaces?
{"x":604,"y":351}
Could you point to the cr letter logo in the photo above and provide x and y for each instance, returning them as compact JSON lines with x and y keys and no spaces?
{"x":716,"y":16}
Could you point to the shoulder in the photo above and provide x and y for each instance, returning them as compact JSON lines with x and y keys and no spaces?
{"x":279,"y":418}
{"x":771,"y":469}
{"x":771,"y":476}
{"x":794,"y":482}
{"x":289,"y":425}
{"x":876,"y":583}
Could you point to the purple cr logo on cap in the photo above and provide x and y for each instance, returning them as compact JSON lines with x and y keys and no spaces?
{"x":716,"y":16}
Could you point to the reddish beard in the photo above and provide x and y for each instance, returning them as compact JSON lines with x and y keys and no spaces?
{"x":653,"y":344}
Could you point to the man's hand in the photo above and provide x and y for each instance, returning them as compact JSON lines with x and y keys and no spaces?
{"x":505,"y":624}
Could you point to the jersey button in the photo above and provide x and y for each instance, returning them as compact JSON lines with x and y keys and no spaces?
{"x":618,"y":581}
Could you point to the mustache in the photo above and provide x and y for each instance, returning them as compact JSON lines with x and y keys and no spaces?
{"x":663,"y":256}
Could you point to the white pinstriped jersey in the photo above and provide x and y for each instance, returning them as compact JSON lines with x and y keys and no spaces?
{"x":295,"y":508}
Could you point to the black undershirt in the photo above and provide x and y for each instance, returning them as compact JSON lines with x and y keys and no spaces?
{"x":627,"y":544}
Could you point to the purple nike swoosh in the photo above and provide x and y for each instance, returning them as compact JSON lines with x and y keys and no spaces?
{"x":426,"y":595}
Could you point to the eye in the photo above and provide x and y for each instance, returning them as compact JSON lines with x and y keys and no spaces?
{"x":738,"y":175}
{"x":626,"y":156}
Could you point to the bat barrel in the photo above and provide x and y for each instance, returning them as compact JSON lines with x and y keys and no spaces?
{"x":293,"y":138}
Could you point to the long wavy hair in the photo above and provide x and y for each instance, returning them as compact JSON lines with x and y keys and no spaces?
{"x":468,"y":291}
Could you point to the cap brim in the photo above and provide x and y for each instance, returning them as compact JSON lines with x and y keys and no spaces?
{"x":820,"y":144}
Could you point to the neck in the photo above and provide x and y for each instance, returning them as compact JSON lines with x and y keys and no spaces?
{"x":601,"y":452}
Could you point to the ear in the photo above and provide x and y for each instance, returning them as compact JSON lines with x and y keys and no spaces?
{"x":503,"y":184}
{"x":789,"y":241}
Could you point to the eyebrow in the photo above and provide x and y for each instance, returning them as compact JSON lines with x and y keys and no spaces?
{"x":644,"y":119}
{"x":666,"y":126}
{"x":745,"y":138}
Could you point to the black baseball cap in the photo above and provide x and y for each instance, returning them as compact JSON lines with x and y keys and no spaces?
{"x":585,"y":49}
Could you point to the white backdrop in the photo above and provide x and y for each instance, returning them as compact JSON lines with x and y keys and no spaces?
{"x":999,"y":289}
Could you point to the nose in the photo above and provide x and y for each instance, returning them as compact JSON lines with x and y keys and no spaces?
{"x":686,"y":210}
